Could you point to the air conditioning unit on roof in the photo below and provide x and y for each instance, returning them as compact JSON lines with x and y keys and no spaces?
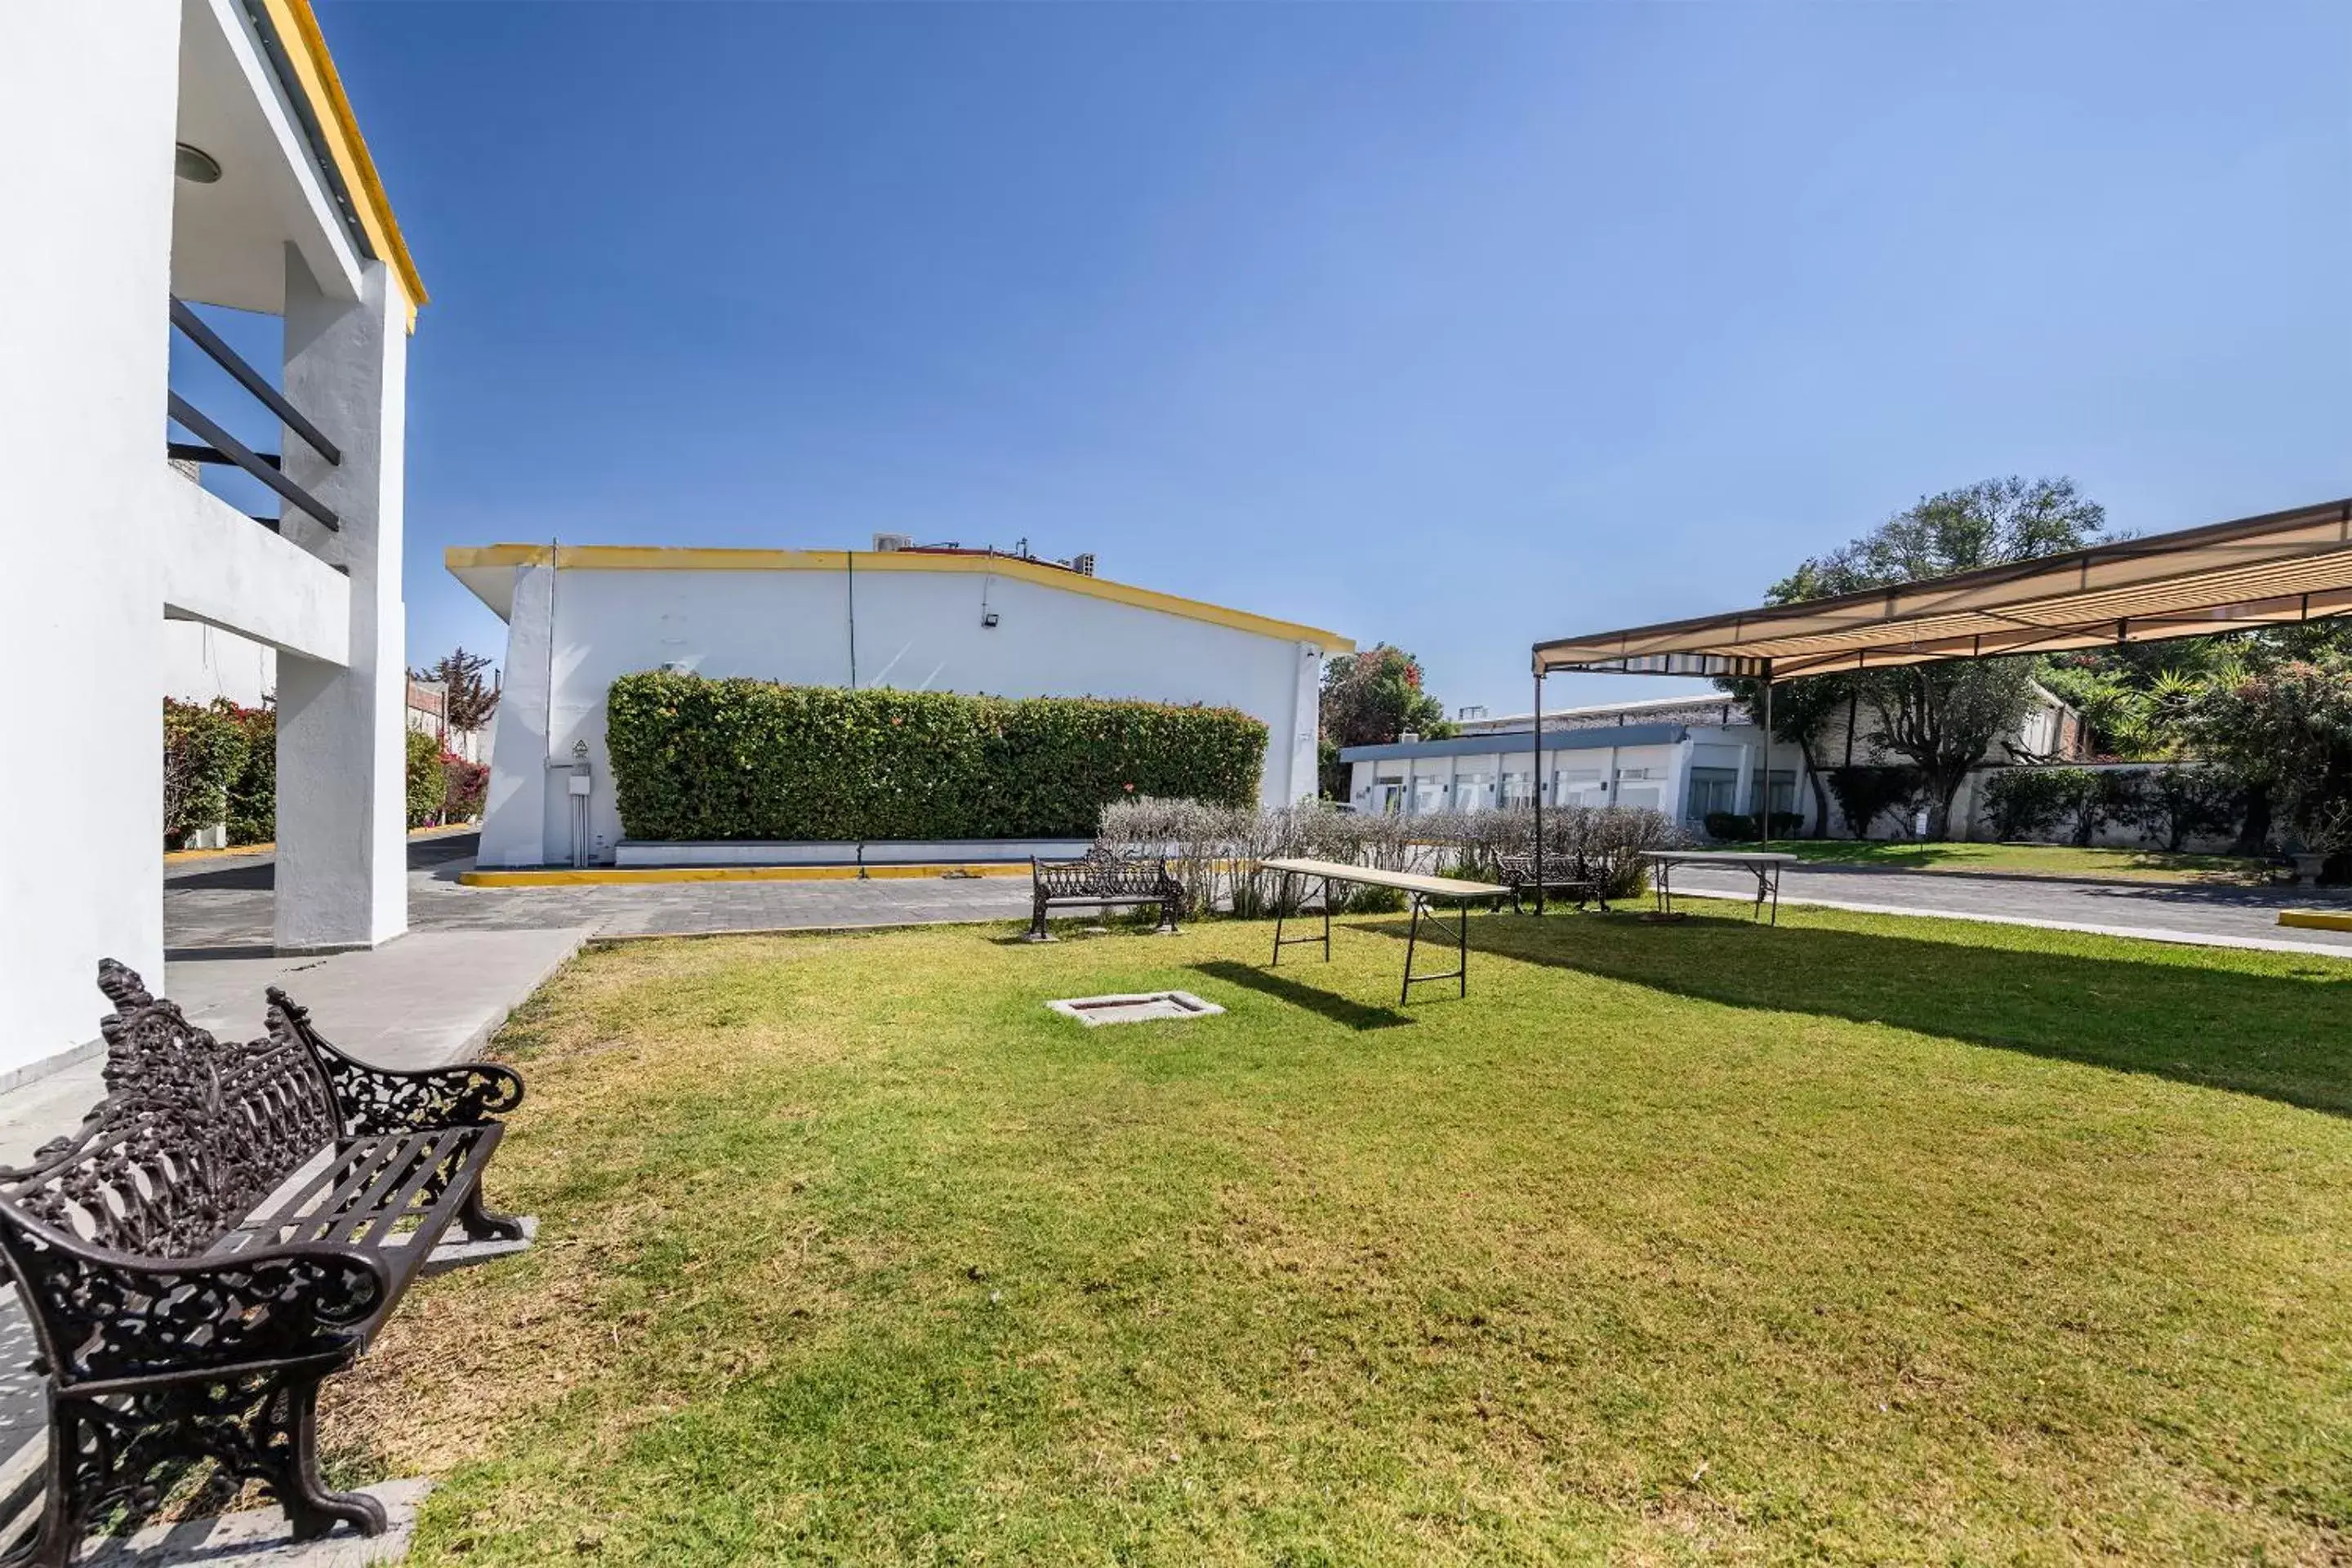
{"x":884,"y":543}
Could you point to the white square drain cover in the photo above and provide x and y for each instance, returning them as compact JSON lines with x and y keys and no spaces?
{"x":1138,"y":1008}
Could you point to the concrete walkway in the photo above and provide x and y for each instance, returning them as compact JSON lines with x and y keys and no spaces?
{"x":428,"y":998}
{"x":2156,"y":911}
{"x":222,"y":906}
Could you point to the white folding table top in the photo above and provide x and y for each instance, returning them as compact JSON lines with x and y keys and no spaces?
{"x":1404,"y":881}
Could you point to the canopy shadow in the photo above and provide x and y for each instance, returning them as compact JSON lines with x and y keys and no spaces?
{"x":2286,"y":1037}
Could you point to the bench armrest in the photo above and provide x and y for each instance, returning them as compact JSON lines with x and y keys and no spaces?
{"x":374,"y":1100}
{"x":107,"y":1317}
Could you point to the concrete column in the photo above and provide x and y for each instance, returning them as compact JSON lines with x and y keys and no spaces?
{"x":343,"y":823}
{"x":88,"y":97}
{"x":514,"y":812}
{"x":1306,"y":727}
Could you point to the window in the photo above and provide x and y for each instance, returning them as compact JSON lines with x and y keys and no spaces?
{"x":1713,"y":789}
{"x":1518,"y":788}
{"x":1428,"y":795}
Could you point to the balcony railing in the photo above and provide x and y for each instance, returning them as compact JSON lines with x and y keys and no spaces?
{"x":214,"y":445}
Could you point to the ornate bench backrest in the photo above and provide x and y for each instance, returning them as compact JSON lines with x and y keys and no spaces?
{"x":1102,"y":874}
{"x":191,"y":1136}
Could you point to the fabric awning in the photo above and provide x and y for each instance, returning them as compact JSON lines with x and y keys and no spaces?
{"x":2273,"y":569}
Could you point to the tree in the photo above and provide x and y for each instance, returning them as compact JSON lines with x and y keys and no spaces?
{"x":2286,"y":732}
{"x":1801,"y":713}
{"x":471,"y":699}
{"x":1945,"y":717}
{"x":1370,"y":699}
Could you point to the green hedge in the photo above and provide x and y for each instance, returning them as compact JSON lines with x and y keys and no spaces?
{"x":694,"y":758}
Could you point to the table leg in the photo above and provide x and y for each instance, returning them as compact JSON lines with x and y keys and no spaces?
{"x":1412,"y":936}
{"x":1462,"y":944}
{"x":1776,"y":896}
{"x":1326,"y":920}
{"x":1281,"y":897}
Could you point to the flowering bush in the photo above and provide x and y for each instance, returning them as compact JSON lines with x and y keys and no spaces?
{"x":464,"y":787}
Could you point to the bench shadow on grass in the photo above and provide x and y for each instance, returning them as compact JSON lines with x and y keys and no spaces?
{"x":2284,"y":1037}
{"x":1339,"y":1009}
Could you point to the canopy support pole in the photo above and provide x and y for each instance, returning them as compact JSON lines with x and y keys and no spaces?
{"x":1536,"y":774}
{"x":1764,"y":795}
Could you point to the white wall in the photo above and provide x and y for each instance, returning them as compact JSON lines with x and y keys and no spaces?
{"x":915,"y":630}
{"x":202,"y":663}
{"x":87,"y":104}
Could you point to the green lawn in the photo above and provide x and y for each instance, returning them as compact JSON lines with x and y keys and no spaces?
{"x":1863,"y":1240}
{"x":2027,"y":859}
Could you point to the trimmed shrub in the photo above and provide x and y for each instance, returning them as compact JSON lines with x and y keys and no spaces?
{"x":204,"y":750}
{"x":700,"y":758}
{"x":2178,"y":803}
{"x":1865,"y":793}
{"x":2029,"y":803}
{"x":1740,"y":827}
{"x":1212,"y":850}
{"x":253,"y":794}
{"x":426,"y":787}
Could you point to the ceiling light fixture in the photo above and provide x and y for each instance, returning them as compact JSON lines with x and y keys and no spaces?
{"x":194,"y":164}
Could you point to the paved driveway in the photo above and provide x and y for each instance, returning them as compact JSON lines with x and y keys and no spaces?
{"x":2228,"y":916}
{"x":217,"y":908}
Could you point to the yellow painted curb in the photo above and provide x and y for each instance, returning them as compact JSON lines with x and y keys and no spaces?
{"x":2318,"y":920}
{"x":626,"y":875}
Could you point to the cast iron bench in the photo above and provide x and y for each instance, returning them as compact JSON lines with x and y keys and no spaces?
{"x":1102,"y":879}
{"x":230,"y":1224}
{"x":1519,"y":872}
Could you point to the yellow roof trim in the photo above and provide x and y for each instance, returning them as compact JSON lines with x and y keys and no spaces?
{"x":297,"y":26}
{"x":656,"y":558}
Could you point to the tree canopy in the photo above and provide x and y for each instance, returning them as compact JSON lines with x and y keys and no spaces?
{"x":471,"y":699}
{"x":1369,"y":699}
{"x":1943,"y":717}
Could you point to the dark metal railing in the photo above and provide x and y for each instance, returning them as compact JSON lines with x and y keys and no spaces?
{"x":220,"y":447}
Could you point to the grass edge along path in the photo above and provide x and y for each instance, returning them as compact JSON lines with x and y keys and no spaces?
{"x":1868,"y":1238}
{"x":2068,"y":862}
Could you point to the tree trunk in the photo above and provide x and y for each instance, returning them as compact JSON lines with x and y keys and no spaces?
{"x":2253,"y":835}
{"x":1944,"y":785}
{"x":1820,"y":800}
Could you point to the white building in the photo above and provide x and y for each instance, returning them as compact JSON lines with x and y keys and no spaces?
{"x":1685,"y":756}
{"x":941,"y":620}
{"x":197,"y":152}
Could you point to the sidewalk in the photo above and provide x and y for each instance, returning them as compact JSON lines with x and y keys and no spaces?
{"x":422,"y":1000}
{"x":2152,"y":911}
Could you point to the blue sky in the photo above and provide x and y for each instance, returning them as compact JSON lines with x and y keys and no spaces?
{"x":1450,"y":326}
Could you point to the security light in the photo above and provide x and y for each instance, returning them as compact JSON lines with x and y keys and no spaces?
{"x":194,"y":164}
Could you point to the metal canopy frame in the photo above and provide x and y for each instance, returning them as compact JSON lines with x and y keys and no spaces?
{"x":2279,"y":568}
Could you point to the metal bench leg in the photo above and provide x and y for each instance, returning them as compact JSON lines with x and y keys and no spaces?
{"x":477,"y":1222}
{"x":310,"y":1507}
{"x":1037,"y":931}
